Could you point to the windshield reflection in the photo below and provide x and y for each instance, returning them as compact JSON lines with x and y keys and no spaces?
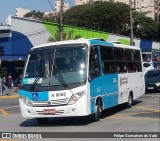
{"x":56,"y":66}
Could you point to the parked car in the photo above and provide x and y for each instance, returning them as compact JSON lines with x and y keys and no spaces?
{"x":147,"y":66}
{"x":152,"y":80}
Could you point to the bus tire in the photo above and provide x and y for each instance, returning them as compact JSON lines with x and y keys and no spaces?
{"x":130,"y":100}
{"x":42,"y":121}
{"x":98,"y":111}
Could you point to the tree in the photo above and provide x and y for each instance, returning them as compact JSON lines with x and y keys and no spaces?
{"x":34,"y":14}
{"x":71,"y":16}
{"x":114,"y":18}
{"x":145,"y":28}
{"x":101,"y":16}
{"x":158,"y":31}
{"x":51,"y":17}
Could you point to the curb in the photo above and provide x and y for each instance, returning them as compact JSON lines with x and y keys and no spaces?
{"x":9,"y":96}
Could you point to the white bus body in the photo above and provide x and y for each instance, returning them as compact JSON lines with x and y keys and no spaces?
{"x":53,"y":86}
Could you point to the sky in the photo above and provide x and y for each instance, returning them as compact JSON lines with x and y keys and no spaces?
{"x":8,"y":7}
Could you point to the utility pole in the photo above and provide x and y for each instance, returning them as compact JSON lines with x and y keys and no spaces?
{"x":158,"y":10}
{"x":91,"y":2}
{"x":131,"y":24}
{"x":61,"y":21}
{"x":1,"y":92}
{"x":1,"y":85}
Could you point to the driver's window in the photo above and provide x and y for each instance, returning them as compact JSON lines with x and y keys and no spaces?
{"x":94,"y":64}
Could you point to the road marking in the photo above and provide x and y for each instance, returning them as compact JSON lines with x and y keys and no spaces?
{"x":158,"y":98}
{"x":9,"y":140}
{"x":4,"y":113}
{"x":128,"y":118}
{"x":137,"y":113}
{"x":11,"y":107}
{"x":10,"y":96}
{"x":16,"y":115}
{"x":150,"y":109}
{"x":153,"y":105}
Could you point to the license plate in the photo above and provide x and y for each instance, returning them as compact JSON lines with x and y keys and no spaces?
{"x":49,"y":111}
{"x":150,"y":88}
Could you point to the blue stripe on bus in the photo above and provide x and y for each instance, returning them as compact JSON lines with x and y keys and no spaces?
{"x":35,"y":96}
{"x":105,"y":86}
{"x":96,"y":42}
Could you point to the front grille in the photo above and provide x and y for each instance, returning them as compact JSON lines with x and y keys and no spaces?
{"x":40,"y":103}
{"x":58,"y":102}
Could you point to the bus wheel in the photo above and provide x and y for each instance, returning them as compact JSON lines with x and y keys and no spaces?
{"x":130,"y":101}
{"x":42,"y":120}
{"x":98,"y":111}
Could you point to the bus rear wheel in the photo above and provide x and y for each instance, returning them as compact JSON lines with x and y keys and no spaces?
{"x":98,"y":111}
{"x":42,"y":120}
{"x":130,"y":101}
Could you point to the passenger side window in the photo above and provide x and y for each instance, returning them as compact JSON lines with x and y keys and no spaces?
{"x":139,"y":66}
{"x":137,"y":56}
{"x":133,"y":61}
{"x":107,"y":57}
{"x":121,"y":67}
{"x":119,"y":54}
{"x":121,"y":58}
{"x":94,"y":63}
{"x":131,"y":66}
{"x":129,"y":54}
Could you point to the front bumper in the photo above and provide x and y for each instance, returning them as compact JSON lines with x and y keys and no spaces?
{"x":77,"y":109}
{"x":152,"y":88}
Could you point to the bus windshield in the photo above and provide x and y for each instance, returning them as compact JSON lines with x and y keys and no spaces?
{"x":56,"y":66}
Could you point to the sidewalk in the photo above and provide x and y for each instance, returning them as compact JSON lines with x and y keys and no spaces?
{"x":11,"y":94}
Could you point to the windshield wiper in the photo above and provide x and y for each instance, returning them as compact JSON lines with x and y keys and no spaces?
{"x":60,"y":77}
{"x":36,"y":80}
{"x":58,"y":73}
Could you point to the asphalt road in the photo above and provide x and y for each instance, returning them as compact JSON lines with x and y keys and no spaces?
{"x":144,"y":116}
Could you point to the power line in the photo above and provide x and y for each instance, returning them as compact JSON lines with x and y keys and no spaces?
{"x":144,"y":9}
{"x":52,"y":7}
{"x":61,"y":18}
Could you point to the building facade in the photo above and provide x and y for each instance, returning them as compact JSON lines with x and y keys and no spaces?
{"x":145,"y":6}
{"x":57,"y":6}
{"x":22,"y":34}
{"x":81,"y":2}
{"x":20,"y":12}
{"x":142,"y":6}
{"x":152,"y":7}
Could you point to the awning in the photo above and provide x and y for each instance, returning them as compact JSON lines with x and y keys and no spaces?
{"x":146,"y":46}
{"x":13,"y":58}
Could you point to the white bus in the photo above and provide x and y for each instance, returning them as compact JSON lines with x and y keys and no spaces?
{"x":79,"y":78}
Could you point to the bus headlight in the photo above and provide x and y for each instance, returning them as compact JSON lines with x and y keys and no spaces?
{"x":26,"y":101}
{"x":158,"y":84}
{"x":75,"y":97}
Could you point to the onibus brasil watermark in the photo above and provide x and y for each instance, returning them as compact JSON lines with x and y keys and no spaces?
{"x":38,"y":135}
